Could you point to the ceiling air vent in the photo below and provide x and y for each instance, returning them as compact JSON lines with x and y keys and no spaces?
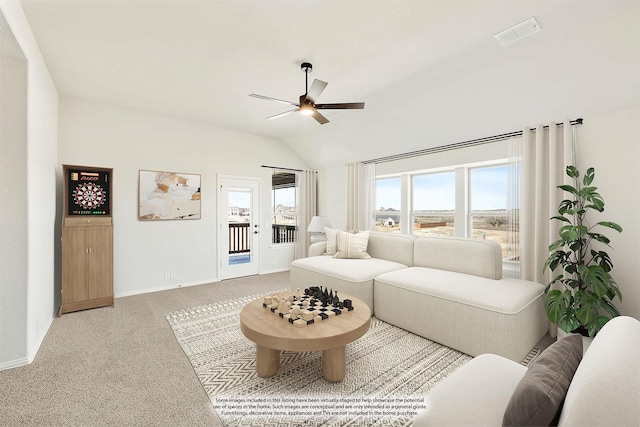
{"x":518,"y":31}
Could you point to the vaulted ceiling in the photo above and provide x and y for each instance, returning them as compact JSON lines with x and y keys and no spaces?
{"x":430,"y":72}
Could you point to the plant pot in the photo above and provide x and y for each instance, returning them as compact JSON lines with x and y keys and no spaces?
{"x":586,"y":341}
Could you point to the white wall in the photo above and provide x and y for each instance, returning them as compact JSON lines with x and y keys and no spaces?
{"x":608,"y":142}
{"x":13,"y":200}
{"x":611,"y":144}
{"x":94,"y":134}
{"x":28,"y":298}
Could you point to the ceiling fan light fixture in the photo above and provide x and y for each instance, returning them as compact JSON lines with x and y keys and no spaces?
{"x":306,"y":110}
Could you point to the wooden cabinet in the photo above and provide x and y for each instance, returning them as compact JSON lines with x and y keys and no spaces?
{"x":87,"y":239}
{"x":87,"y":267}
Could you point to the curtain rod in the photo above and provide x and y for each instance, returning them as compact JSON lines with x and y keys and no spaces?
{"x":284,"y":169}
{"x":457,"y":145}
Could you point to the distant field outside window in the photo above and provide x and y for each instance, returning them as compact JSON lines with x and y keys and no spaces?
{"x":434,"y":202}
{"x":490,"y":216}
{"x":388,"y":204}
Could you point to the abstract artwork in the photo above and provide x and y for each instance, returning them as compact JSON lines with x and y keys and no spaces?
{"x":168,"y":195}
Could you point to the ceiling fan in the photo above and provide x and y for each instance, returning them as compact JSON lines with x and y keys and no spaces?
{"x":307,"y":103}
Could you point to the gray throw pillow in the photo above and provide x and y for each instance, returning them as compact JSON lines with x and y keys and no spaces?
{"x":539,"y":395}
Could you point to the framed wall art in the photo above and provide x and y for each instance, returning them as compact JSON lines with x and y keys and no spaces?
{"x":168,"y":195}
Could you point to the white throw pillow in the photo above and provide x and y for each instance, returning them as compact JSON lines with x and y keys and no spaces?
{"x":352,"y":245}
{"x":332,"y":240}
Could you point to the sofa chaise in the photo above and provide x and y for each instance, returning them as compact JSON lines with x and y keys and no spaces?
{"x":448,"y":290}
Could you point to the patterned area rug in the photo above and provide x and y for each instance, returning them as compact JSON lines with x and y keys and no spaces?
{"x":389,"y":371}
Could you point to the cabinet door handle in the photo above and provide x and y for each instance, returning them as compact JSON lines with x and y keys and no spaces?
{"x":89,"y":250}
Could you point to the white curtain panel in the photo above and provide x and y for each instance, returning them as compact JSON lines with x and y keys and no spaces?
{"x":306,"y":195}
{"x":360,"y":194}
{"x":545,"y":155}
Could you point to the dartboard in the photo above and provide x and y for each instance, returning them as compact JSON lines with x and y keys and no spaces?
{"x":89,"y":195}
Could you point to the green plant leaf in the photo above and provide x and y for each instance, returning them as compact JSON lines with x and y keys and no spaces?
{"x":561,"y":218}
{"x":564,"y":206}
{"x":557,"y":304}
{"x":595,"y":278}
{"x":610,"y":224}
{"x":568,"y":188}
{"x":609,"y":308}
{"x":586,"y":307}
{"x":572,"y":171}
{"x":588,"y":177}
{"x":570,"y":233}
{"x":602,"y":259}
{"x":600,"y":238}
{"x":555,"y":245}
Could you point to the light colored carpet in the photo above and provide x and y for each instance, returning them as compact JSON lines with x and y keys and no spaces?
{"x":119,"y":366}
{"x":389,"y":372}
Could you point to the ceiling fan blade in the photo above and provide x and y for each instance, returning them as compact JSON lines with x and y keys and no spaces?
{"x":316,"y":89}
{"x":268,"y":98}
{"x":341,"y":106}
{"x":319,"y":117}
{"x":286,"y":113}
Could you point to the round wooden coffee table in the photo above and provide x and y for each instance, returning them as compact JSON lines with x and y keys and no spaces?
{"x":273,"y":334}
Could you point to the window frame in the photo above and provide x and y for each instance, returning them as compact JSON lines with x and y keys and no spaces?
{"x":463,"y":214}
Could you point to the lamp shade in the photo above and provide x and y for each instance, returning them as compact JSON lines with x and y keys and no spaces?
{"x":318,"y":223}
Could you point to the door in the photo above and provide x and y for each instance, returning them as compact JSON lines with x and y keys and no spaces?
{"x":74,"y":260}
{"x":238,"y":226}
{"x":99,"y":241}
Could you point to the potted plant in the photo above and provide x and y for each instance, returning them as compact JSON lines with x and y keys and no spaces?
{"x":584,"y":302}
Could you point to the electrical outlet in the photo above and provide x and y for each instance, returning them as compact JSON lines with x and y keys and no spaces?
{"x":173,"y":274}
{"x":167,"y":275}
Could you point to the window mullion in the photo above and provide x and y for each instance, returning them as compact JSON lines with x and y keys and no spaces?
{"x":461,"y":214}
{"x":406,"y":211}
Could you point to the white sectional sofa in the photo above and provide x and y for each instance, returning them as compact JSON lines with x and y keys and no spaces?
{"x":389,"y":252}
{"x":448,"y":290}
{"x":604,"y":390}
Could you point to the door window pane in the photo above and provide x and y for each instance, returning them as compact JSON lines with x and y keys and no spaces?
{"x":239,"y":225}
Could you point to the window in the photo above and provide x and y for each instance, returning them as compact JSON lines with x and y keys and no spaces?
{"x":388,"y":204}
{"x":490,"y":214}
{"x":473,"y":201}
{"x":283,"y":216}
{"x":434,"y":204}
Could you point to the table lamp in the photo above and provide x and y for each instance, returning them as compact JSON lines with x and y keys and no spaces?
{"x":316,"y":228}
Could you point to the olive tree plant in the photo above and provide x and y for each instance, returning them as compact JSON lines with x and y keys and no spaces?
{"x":584,"y":301}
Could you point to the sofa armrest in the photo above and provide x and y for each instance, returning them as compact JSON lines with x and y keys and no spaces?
{"x":476,"y":394}
{"x":317,"y":249}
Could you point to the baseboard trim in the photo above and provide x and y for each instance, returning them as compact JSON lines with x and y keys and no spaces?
{"x":163,"y":288}
{"x":184,"y":285}
{"x":33,"y":352}
{"x":279,"y":270}
{"x":14,"y":363}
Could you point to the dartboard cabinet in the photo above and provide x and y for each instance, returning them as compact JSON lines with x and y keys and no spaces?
{"x":87,"y":238}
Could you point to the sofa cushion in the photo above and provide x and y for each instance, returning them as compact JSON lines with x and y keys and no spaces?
{"x":332,"y":241}
{"x":352,"y":270}
{"x":392,"y":246}
{"x":469,"y":256}
{"x":508,"y":296}
{"x":605,"y":391}
{"x":352,"y":246}
{"x":474,"y":395}
{"x":537,"y":399}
